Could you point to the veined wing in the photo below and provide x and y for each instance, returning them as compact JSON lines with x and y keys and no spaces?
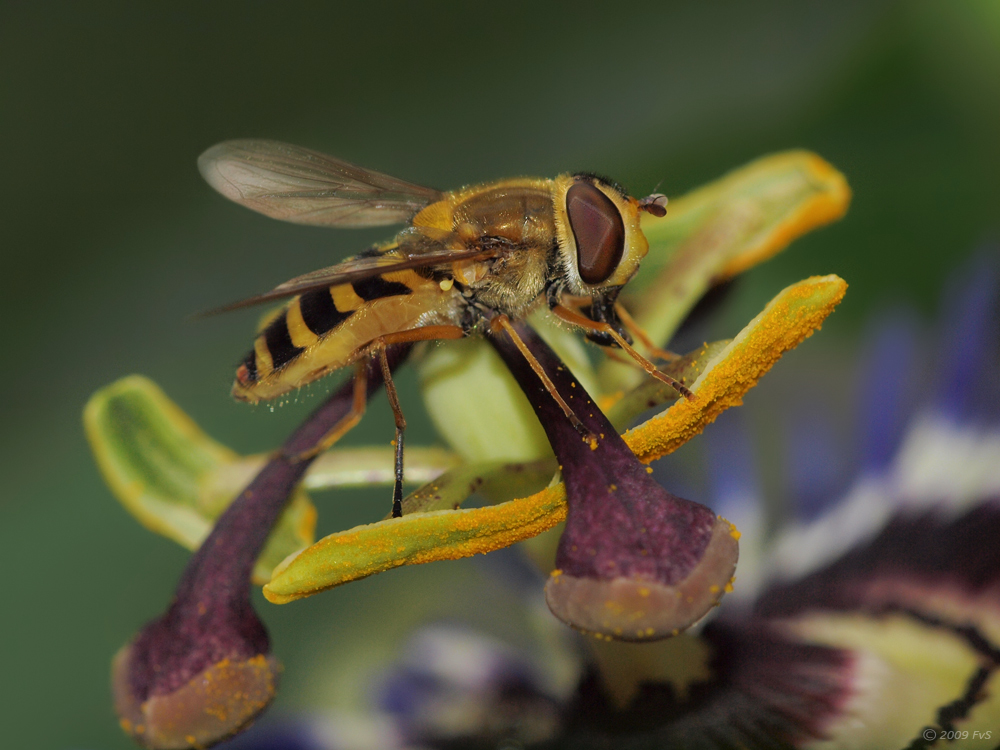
{"x":306,"y":187}
{"x":356,"y":269}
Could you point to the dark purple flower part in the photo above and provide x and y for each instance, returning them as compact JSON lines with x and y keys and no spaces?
{"x":634,"y":562}
{"x":203,"y":670}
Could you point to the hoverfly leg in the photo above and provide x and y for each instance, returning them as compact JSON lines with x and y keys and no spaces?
{"x":349,"y":420}
{"x":397,"y":413}
{"x":636,"y":330}
{"x":574,"y":318}
{"x":377,"y":348}
{"x":502,"y":322}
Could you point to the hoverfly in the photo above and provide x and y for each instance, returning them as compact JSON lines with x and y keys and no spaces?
{"x":470,"y":261}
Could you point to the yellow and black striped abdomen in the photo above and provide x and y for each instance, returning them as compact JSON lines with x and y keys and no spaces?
{"x":327,"y":329}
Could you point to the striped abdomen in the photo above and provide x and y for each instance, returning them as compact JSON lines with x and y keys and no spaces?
{"x":326,"y":329}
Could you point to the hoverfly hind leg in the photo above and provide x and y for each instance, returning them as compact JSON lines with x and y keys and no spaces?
{"x":397,"y":413}
{"x":349,"y":420}
{"x":377,"y":348}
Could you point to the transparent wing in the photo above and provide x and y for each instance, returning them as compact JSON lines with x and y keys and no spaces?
{"x":295,"y":184}
{"x":356,"y":269}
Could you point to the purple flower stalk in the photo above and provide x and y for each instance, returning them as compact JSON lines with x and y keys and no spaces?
{"x":635,"y":562}
{"x":203,"y":670}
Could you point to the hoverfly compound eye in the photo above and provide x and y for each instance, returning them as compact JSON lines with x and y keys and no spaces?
{"x":598,"y":229}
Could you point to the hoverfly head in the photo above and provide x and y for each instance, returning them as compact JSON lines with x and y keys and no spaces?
{"x":601,"y":242}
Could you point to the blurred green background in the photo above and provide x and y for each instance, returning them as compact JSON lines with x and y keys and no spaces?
{"x":110,"y":239}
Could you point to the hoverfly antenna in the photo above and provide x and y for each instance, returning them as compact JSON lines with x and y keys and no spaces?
{"x":655,"y":204}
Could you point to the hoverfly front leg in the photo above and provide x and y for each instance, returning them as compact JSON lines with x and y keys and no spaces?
{"x":574,"y":318}
{"x":636,"y":330}
{"x":502,"y":322}
{"x":612,"y":312}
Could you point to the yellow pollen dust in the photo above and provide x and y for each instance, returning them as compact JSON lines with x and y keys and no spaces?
{"x":733,"y":531}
